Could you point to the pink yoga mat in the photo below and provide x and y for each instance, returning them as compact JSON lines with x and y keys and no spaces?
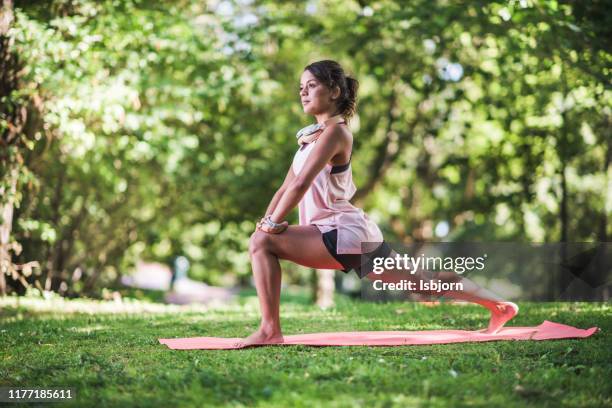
{"x":545,"y":331}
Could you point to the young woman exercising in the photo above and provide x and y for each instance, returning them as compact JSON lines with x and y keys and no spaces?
{"x":331,"y":229}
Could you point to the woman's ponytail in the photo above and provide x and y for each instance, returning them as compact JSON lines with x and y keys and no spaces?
{"x":349,"y":105}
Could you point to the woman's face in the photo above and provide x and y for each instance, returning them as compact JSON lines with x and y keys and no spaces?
{"x":316,"y":97}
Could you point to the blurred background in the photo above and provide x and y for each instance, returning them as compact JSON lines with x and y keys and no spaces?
{"x":141,"y":141}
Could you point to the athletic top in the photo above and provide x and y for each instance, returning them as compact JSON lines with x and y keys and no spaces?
{"x":326,"y":205}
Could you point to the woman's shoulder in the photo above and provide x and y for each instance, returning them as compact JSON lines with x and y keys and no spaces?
{"x":341,"y":131}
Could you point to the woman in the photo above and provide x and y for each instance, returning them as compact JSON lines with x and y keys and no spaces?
{"x":331,"y":230}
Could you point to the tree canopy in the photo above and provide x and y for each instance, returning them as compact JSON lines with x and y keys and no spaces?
{"x":134,"y":129}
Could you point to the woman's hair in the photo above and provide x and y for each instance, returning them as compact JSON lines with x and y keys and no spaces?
{"x":331,"y":74}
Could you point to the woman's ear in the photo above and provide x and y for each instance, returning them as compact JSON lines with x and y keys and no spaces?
{"x":335,"y":92}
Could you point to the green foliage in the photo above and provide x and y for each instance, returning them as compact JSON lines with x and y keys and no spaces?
{"x":167,"y":127}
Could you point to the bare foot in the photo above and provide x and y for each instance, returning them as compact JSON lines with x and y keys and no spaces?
{"x":503,"y":312}
{"x":261,"y":336}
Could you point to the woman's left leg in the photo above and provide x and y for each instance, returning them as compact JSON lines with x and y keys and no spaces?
{"x":300,"y":244}
{"x":501,"y":310}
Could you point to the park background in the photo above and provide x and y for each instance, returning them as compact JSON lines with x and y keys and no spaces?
{"x":135,"y":130}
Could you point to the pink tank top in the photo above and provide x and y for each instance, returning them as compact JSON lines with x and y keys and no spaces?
{"x":326,"y":205}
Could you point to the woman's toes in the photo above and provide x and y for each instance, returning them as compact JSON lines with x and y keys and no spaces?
{"x":499,"y":317}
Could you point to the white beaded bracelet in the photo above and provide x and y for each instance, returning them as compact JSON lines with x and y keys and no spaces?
{"x":270,"y":223}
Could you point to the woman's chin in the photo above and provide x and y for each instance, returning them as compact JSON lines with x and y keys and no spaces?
{"x":309,"y":111}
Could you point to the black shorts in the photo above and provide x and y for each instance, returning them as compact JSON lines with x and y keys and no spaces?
{"x":354,"y":261}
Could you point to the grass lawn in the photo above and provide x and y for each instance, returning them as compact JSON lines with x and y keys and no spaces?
{"x":109,"y":353}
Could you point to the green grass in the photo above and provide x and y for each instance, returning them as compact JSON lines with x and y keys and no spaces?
{"x":113,"y":358}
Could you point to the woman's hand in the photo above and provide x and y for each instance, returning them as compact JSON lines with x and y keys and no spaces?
{"x":260,"y":223}
{"x":276,"y":230}
{"x":263,"y":226}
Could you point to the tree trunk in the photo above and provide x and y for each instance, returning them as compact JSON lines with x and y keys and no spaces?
{"x":8,"y":165}
{"x":325,"y":287}
{"x":564,"y":276}
{"x":6,"y":212}
{"x":602,"y":235}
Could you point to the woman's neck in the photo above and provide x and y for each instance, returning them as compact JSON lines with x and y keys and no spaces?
{"x":321,"y":118}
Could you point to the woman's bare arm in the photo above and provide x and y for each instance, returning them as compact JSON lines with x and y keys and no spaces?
{"x":329,"y":144}
{"x":281,"y":190}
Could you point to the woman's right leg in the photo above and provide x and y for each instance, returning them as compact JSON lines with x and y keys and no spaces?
{"x":300,"y":244}
{"x":501,"y":310}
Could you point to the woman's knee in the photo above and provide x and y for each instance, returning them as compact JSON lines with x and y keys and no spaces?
{"x":259,"y":241}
